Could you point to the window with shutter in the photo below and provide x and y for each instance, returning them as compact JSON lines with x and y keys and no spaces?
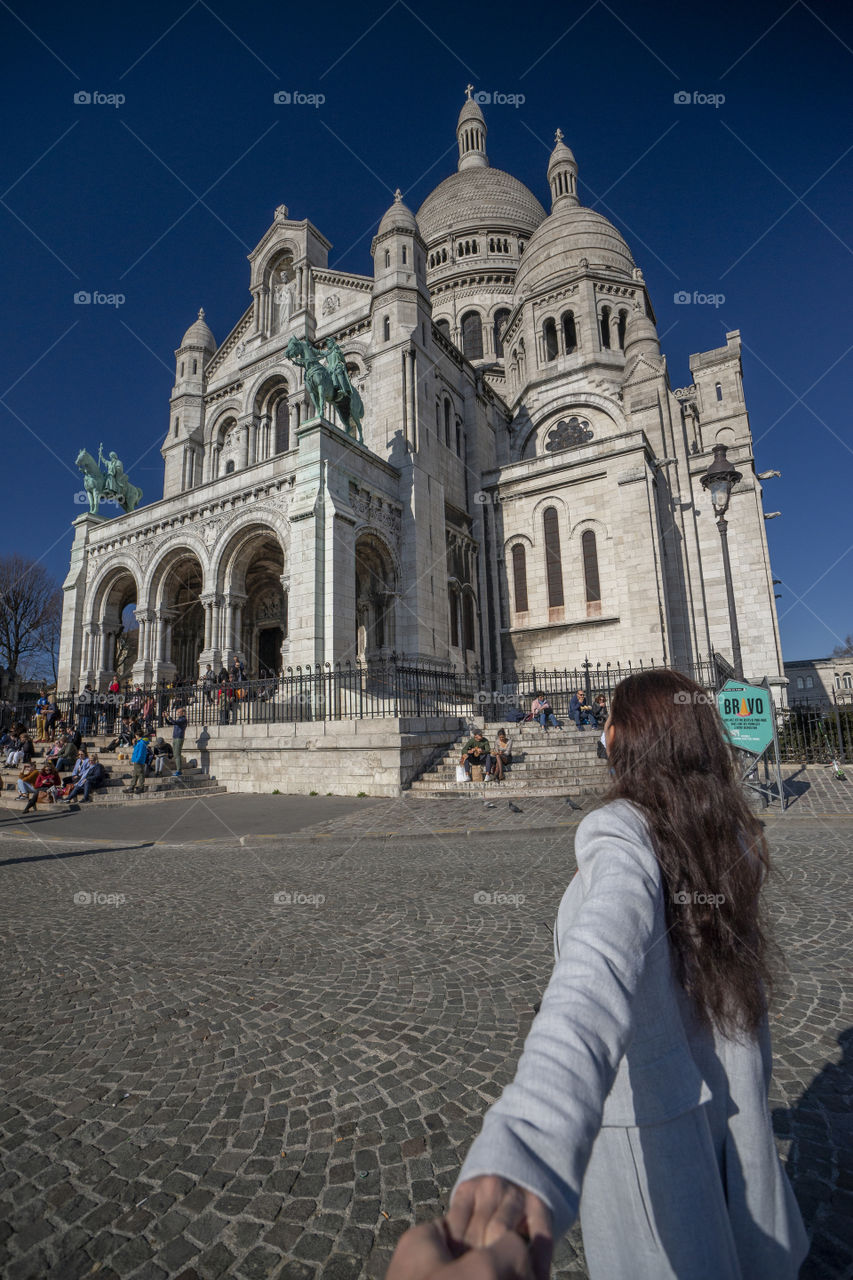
{"x":553,"y":562}
{"x":519,"y":578}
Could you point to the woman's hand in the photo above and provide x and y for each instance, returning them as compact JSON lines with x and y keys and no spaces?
{"x":429,"y":1252}
{"x":484,"y":1209}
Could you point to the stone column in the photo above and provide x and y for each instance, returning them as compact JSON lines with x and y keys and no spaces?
{"x":256,"y":318}
{"x":242,"y":459}
{"x":141,"y":672}
{"x":211,"y":652}
{"x":162,"y":668}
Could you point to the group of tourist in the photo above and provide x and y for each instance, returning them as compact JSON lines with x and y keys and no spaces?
{"x":480,"y":762}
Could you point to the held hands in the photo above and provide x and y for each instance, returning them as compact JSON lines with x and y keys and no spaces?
{"x":494,"y":1230}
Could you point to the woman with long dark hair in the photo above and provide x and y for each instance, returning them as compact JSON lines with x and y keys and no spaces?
{"x":640,"y":1100}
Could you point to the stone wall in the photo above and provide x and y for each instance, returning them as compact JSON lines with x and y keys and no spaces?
{"x":345,"y":757}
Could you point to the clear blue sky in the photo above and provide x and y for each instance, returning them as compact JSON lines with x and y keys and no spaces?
{"x":161,"y":198}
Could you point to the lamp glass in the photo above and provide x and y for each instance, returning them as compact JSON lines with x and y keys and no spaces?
{"x":720,"y":493}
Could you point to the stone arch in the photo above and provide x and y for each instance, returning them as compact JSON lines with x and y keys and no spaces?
{"x":110,"y":633}
{"x":230,"y":408}
{"x":377,"y":589}
{"x":272,"y":417}
{"x":176,"y":623}
{"x":249,"y":570}
{"x":604,"y":416}
{"x":550,"y":500}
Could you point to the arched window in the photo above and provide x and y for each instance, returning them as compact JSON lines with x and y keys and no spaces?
{"x":838,"y":682}
{"x":620,"y":332}
{"x":592,"y":584}
{"x":453,"y":595}
{"x":177,"y":425}
{"x":801,"y":683}
{"x":500,"y":320}
{"x":281,"y":425}
{"x":809,"y":682}
{"x":468,"y":621}
{"x":195,"y":366}
{"x":405,"y":255}
{"x":444,"y":326}
{"x":549,"y":339}
{"x":605,"y":328}
{"x":447,"y":423}
{"x":519,"y":577}
{"x":472,"y":335}
{"x":386,"y":329}
{"x":182,"y":368}
{"x":387,"y":257}
{"x":553,"y":561}
{"x":719,"y":390}
{"x":570,"y":332}
{"x":230,"y":466}
{"x":848,"y":680}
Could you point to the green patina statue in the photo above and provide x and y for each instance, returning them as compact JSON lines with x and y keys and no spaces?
{"x":329,"y":383}
{"x":109,"y":485}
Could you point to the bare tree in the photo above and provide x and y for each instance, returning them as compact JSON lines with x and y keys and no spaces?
{"x":844,"y":650}
{"x":30,"y":613}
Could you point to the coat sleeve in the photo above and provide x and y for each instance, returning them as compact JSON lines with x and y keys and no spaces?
{"x":539,"y":1134}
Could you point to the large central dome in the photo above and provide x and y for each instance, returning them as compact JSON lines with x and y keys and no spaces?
{"x":479,"y":197}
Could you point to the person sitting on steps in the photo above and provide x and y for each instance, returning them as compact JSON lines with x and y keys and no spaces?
{"x":544,"y":712}
{"x":580,"y":711}
{"x":479,"y":744}
{"x":502,"y":754}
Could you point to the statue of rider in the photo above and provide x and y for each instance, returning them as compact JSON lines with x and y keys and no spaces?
{"x":116,"y":480}
{"x":336,"y":364}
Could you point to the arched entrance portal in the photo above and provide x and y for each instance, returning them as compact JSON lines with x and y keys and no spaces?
{"x":111,"y":638}
{"x":254,"y":594}
{"x":375,"y":599}
{"x":172,"y":634}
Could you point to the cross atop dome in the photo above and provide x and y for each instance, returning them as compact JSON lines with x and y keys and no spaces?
{"x":398,"y":196}
{"x":469,"y":89}
{"x":558,"y":136}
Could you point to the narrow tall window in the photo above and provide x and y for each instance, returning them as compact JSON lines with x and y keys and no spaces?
{"x":590,"y":568}
{"x":472,"y":335}
{"x":195,"y":366}
{"x":549,"y":339}
{"x":386,"y":329}
{"x":553,"y":561}
{"x":719,"y":391}
{"x":447,"y":423}
{"x":468,"y":621}
{"x":519,"y":577}
{"x":570,"y":333}
{"x":281,"y":416}
{"x":454,"y":618}
{"x":623,"y":325}
{"x":605,"y":328}
{"x":405,"y":255}
{"x":387,"y":257}
{"x":500,"y":320}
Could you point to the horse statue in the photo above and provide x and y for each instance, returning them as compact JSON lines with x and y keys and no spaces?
{"x":112,"y":484}
{"x":329,"y":383}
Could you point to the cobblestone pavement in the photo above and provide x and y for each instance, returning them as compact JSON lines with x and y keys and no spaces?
{"x":202,"y":1081}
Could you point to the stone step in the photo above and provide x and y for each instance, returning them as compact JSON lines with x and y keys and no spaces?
{"x":107,"y":800}
{"x":568,"y":780}
{"x":496,"y":794}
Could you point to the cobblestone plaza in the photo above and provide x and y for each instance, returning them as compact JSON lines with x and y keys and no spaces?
{"x":266,"y":1056}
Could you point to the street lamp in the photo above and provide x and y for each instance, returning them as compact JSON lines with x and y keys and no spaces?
{"x":719,"y":479}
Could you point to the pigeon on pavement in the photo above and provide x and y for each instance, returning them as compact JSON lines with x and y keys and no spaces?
{"x":515,"y":808}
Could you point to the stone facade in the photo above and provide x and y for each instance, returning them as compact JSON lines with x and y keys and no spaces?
{"x":527,"y":493}
{"x":819,"y":682}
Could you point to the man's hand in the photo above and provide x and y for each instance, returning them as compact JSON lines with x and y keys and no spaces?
{"x":484,"y":1209}
{"x":429,"y":1252}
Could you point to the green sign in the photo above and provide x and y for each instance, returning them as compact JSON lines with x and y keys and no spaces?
{"x":747,"y":715}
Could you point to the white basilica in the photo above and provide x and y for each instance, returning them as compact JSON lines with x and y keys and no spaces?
{"x":527,"y":491}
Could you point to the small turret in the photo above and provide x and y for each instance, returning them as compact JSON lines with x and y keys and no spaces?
{"x":471,"y":134}
{"x":562,"y":174}
{"x":184,"y":444}
{"x":641,"y":336}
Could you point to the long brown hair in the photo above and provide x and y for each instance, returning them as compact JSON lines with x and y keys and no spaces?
{"x":670,"y":758}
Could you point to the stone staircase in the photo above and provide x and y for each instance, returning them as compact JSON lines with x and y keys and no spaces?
{"x":559,"y":762}
{"x":192,"y":783}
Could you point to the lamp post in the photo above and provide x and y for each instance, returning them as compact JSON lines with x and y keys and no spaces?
{"x":719,"y":479}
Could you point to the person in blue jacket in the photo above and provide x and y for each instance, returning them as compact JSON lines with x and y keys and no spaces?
{"x":139,"y":760}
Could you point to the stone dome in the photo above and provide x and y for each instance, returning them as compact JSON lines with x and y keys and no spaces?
{"x":199,"y":334}
{"x":479,"y":197}
{"x":398,"y":218}
{"x":569,"y":234}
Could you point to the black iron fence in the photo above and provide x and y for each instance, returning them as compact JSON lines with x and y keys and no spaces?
{"x":816,"y":734}
{"x":388,"y":689}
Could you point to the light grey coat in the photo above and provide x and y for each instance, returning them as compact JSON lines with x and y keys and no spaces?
{"x":625,"y":1109}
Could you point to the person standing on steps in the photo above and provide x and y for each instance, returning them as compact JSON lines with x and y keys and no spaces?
{"x":139,"y":760}
{"x":179,"y":729}
{"x":640,"y":1102}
